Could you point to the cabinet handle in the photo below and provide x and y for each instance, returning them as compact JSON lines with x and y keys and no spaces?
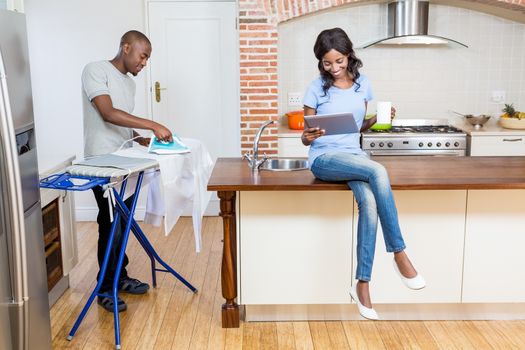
{"x":512,"y":140}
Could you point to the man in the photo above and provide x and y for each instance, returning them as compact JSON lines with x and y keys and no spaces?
{"x":108,"y":100}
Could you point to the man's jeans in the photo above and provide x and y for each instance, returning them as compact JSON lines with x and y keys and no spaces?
{"x":371,"y":186}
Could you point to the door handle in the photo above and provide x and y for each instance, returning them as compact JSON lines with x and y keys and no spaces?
{"x":157,"y":91}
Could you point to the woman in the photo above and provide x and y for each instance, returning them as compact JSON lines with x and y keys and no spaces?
{"x":341,"y":88}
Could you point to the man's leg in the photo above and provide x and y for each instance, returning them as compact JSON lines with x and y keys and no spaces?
{"x":126,"y":283}
{"x":104,"y":228}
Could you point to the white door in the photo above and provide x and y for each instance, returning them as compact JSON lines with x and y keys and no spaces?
{"x":195,"y":59}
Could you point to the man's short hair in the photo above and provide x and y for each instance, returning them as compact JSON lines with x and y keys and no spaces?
{"x":132,"y":36}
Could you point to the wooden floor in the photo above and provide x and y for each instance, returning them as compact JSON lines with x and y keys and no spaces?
{"x":171,"y":317}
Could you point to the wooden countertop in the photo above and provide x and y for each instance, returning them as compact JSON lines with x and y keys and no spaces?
{"x":406,"y":173}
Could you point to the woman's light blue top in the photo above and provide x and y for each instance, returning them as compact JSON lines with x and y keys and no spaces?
{"x":338,"y":100}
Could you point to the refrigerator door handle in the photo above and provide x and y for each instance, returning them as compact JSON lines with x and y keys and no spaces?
{"x":13,"y":194}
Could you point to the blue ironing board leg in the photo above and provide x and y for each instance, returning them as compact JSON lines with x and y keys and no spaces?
{"x":125,"y":237}
{"x":141,"y":237}
{"x":101,"y":275}
{"x":134,"y":228}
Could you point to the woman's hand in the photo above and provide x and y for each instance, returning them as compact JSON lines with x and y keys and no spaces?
{"x":367,"y":123}
{"x":310,"y":134}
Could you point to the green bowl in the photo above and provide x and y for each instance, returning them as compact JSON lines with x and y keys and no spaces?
{"x":377,"y":126}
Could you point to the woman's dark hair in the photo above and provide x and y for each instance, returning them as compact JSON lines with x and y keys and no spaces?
{"x":336,"y":39}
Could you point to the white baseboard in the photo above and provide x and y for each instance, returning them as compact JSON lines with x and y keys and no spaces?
{"x":503,"y":311}
{"x":90,"y":213}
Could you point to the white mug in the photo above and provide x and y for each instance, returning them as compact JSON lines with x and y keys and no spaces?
{"x":384,"y":112}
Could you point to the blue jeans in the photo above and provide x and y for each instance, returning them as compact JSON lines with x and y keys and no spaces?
{"x":371,"y":186}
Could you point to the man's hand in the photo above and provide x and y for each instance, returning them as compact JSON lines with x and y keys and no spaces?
{"x":162,"y":133}
{"x":309,"y":135}
{"x":143,"y":141}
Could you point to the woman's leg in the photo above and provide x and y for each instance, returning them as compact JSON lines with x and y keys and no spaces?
{"x":366,"y":228}
{"x":350,"y":167}
{"x":366,"y":238}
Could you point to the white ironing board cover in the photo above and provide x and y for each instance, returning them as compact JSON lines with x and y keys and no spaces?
{"x":181,"y":184}
{"x":111,"y":165}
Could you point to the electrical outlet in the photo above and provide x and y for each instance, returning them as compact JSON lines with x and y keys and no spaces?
{"x":498,"y":96}
{"x":295,"y":99}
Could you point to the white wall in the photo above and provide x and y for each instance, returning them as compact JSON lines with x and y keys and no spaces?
{"x":421,"y":82}
{"x":63,"y":37}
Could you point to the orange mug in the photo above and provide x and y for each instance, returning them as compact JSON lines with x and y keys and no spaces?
{"x":296,"y":120}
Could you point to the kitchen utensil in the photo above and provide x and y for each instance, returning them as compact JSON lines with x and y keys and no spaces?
{"x":377,"y":126}
{"x":296,"y":120}
{"x":477,"y":120}
{"x":384,"y":112}
{"x":463,"y":115}
{"x":381,"y":127}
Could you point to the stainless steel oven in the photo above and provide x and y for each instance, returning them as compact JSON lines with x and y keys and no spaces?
{"x":416,"y":137}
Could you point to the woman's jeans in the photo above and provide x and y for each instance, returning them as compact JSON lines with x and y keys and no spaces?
{"x":371,"y":186}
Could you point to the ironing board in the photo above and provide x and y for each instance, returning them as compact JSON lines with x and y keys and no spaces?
{"x":108,"y":171}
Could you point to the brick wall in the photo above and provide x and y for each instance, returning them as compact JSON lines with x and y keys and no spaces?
{"x":258,"y":21}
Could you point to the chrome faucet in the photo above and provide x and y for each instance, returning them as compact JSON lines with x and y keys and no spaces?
{"x":253,"y":159}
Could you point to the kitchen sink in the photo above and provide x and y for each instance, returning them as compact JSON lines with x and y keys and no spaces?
{"x":284,"y":164}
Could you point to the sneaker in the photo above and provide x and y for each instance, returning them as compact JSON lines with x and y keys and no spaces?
{"x":132,"y":286}
{"x":107,"y":303}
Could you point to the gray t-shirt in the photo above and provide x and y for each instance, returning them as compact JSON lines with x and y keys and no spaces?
{"x":103,"y":78}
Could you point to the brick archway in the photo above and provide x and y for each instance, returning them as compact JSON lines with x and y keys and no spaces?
{"x":258,"y":21}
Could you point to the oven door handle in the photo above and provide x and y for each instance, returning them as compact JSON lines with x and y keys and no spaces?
{"x":415,"y":153}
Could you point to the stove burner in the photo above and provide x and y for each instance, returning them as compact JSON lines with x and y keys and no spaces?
{"x":439,"y":129}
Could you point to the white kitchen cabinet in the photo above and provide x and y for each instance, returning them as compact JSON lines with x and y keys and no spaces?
{"x":295,"y":247}
{"x":69,"y":227}
{"x":494,"y":261}
{"x":432,"y":223}
{"x":289,"y":143}
{"x":292,"y":147}
{"x":68,"y":232}
{"x":512,"y":144}
{"x":66,"y":221}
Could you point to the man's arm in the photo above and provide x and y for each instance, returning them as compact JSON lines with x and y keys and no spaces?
{"x":112,"y":115}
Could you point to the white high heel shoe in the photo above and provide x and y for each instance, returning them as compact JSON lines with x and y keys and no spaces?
{"x":364,"y":311}
{"x":416,"y":282}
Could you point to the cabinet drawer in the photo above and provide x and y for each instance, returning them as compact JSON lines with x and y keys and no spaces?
{"x":512,"y":145}
{"x":292,"y":147}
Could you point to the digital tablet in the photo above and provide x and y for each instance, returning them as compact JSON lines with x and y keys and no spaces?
{"x":333,"y":124}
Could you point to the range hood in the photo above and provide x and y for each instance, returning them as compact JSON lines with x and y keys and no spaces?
{"x":407,"y":24}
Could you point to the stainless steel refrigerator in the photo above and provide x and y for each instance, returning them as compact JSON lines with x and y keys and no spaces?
{"x":24,"y":307}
